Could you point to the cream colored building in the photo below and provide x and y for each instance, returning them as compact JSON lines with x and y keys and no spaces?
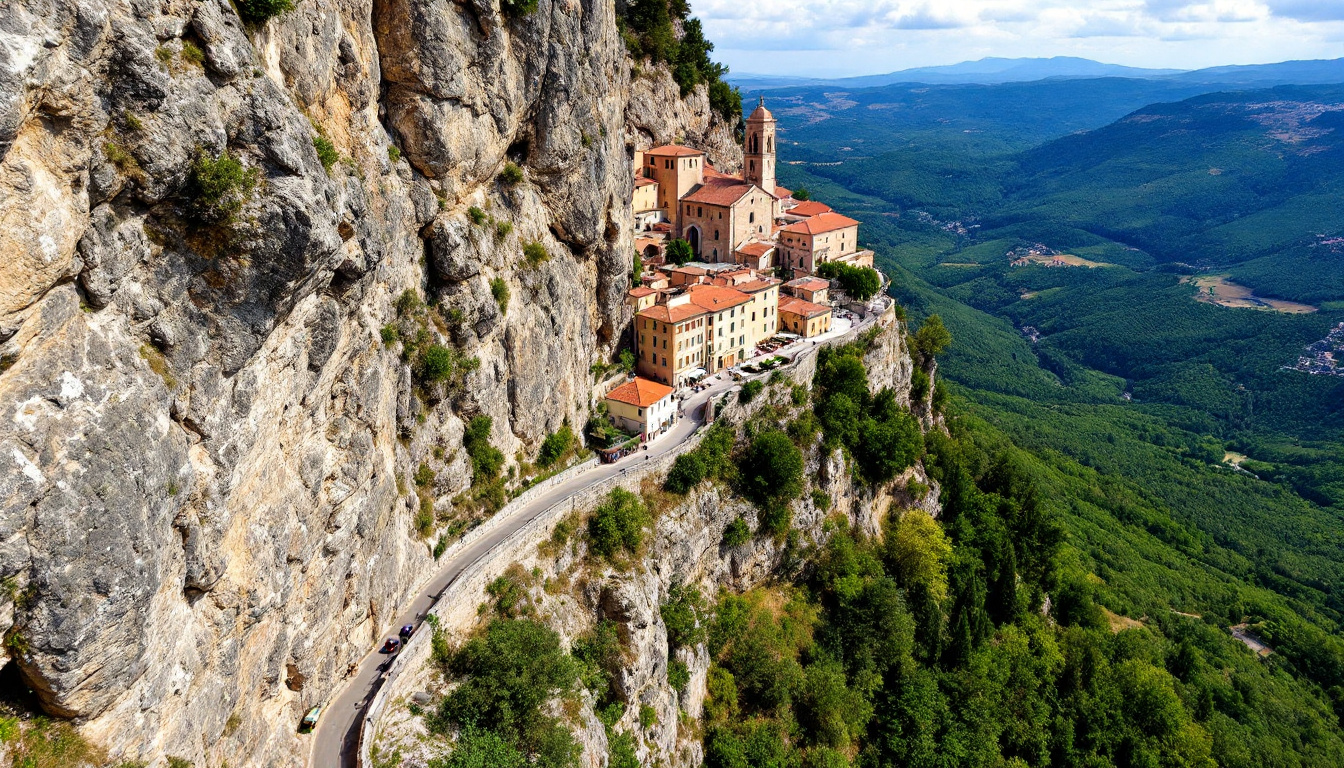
{"x":670,"y":340}
{"x":803,"y":317}
{"x":645,"y":203}
{"x":722,"y":214}
{"x":642,"y":406}
{"x":805,"y":245}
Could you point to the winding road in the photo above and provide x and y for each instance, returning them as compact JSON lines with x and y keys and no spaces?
{"x":336,"y":738}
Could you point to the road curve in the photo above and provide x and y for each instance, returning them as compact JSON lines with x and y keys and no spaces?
{"x":336,"y":738}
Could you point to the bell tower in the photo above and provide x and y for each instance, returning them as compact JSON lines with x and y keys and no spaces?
{"x":758,"y":155}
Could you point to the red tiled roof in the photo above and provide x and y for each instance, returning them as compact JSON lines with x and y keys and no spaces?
{"x":757,"y":285}
{"x":820,"y":224}
{"x":756,"y":248}
{"x":782,"y":193}
{"x":640,"y":181}
{"x":809,"y":283}
{"x":808,"y":208}
{"x":696,"y":271}
{"x":665,"y":314}
{"x":672,"y":150}
{"x":714,"y":173}
{"x":713,"y":297}
{"x":796,"y":306}
{"x":719,"y":191}
{"x":640,"y":392}
{"x":640,"y":292}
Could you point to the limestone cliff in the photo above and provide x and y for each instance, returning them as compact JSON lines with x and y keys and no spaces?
{"x":205,"y":441}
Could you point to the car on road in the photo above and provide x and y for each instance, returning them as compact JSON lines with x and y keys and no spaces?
{"x":309,"y":721}
{"x":392,"y":645}
{"x":406,"y":632}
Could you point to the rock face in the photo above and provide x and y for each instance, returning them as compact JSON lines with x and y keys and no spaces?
{"x":204,"y":440}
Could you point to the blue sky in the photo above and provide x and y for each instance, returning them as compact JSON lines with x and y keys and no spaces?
{"x":854,"y":37}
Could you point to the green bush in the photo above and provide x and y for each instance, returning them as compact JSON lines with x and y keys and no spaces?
{"x":736,"y":534}
{"x":423,"y":475}
{"x":621,"y":752}
{"x":476,"y":215}
{"x":505,"y":677}
{"x":261,"y":11}
{"x":679,"y":252}
{"x":500,"y":290}
{"x":511,"y":174}
{"x":192,"y":53}
{"x":618,"y":524}
{"x":393,"y":153}
{"x":408,"y":303}
{"x":648,"y":716}
{"x":326,"y":152}
{"x":932,"y":337}
{"x":535,"y":253}
{"x":438,"y":363}
{"x":688,"y":470}
{"x":219,"y":187}
{"x":486,"y":460}
{"x":750,"y":390}
{"x":678,"y":675}
{"x":389,"y":334}
{"x":861,"y":283}
{"x":772,"y":471}
{"x":502,"y":229}
{"x":684,"y":614}
{"x":556,"y":446}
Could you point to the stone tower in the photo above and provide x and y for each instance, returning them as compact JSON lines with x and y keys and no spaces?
{"x":759,"y":151}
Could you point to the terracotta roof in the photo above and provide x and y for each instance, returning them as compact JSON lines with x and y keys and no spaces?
{"x":665,"y":314}
{"x":756,"y":248}
{"x":640,"y":181}
{"x":819,"y":224}
{"x":722,"y":191}
{"x":640,"y":292}
{"x":796,"y":306}
{"x":640,"y":392}
{"x":809,"y":283}
{"x":672,"y":150}
{"x":714,"y":298}
{"x":783,"y":193}
{"x":756,"y":285}
{"x":688,"y":270}
{"x":714,"y":173}
{"x":761,"y":113}
{"x":808,"y":208}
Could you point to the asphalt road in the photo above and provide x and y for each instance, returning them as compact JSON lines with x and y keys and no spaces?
{"x":336,"y":738}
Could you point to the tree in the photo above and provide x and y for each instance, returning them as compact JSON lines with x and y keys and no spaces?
{"x":887,"y":448}
{"x":687,"y":471}
{"x":618,"y":524}
{"x":932,"y":337}
{"x":556,"y":445}
{"x":679,"y":252}
{"x":773,"y":471}
{"x":917,"y":552}
{"x":802,"y":195}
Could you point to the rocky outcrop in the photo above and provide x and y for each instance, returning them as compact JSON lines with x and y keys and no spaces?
{"x":203,"y":514}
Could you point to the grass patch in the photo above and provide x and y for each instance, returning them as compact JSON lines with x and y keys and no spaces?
{"x":326,"y":152}
{"x":158,"y":364}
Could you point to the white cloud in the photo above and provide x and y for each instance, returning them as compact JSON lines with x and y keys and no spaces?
{"x":847,"y":37}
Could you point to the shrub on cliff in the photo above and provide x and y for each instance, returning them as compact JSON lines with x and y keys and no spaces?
{"x":261,"y":11}
{"x":486,"y":460}
{"x":518,"y":7}
{"x":556,"y":446}
{"x":861,"y":283}
{"x":219,"y":187}
{"x":618,"y":524}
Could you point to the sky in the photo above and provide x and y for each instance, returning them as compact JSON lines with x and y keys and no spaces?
{"x":837,"y":38}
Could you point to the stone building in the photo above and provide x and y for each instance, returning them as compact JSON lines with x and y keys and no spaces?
{"x":805,"y":245}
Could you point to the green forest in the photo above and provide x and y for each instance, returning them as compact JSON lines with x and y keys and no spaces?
{"x":1118,"y":407}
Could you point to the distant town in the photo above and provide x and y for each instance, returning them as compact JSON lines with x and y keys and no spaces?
{"x":1323,"y":358}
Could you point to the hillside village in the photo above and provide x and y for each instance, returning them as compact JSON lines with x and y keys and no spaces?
{"x":729,"y":268}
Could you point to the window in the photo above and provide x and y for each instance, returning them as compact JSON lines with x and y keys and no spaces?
{"x":641,"y":411}
{"x":751,"y":217}
{"x":699,"y":211}
{"x":716,"y":234}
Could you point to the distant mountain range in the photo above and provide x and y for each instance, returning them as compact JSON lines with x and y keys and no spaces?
{"x":992,"y":71}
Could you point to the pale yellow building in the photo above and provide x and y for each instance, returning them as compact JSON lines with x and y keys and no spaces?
{"x":645,"y":203}
{"x":803,"y":317}
{"x":670,"y":340}
{"x":677,"y":170}
{"x":642,"y":406}
{"x":722,"y":214}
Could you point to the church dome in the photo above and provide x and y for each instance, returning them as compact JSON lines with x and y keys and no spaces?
{"x":761,"y":113}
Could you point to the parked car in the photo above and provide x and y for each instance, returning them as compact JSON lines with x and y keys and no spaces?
{"x":309,"y":721}
{"x":406,"y":631}
{"x":392,"y":645}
